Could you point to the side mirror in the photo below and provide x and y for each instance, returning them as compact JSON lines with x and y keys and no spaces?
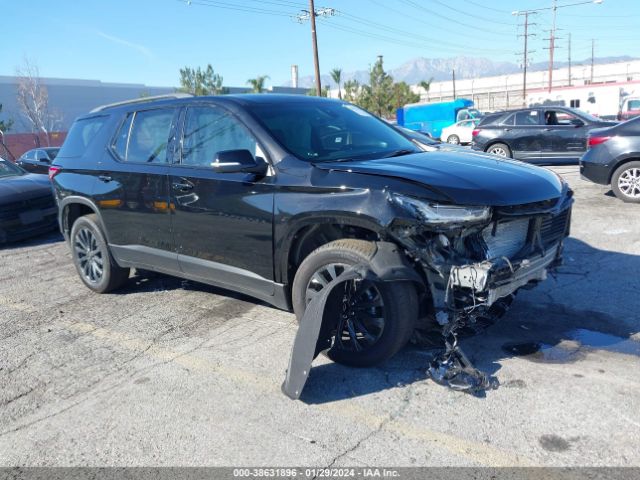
{"x":40,"y":157}
{"x":576,"y":122}
{"x":239,"y":161}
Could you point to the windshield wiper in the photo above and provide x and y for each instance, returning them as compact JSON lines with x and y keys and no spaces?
{"x":400,"y":153}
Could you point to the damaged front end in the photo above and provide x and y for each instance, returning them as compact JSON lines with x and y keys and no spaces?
{"x":474,"y":259}
{"x":478,"y":254}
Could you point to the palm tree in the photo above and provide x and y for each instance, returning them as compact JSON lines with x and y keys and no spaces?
{"x":426,"y":85}
{"x":257,"y":84}
{"x":336,"y":74}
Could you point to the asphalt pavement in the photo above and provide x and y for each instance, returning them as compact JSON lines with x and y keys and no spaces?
{"x":169,"y":372}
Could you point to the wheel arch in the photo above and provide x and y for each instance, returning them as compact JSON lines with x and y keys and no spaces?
{"x":73,"y":207}
{"x":634,"y":157}
{"x":310,"y":233}
{"x":493,"y":141}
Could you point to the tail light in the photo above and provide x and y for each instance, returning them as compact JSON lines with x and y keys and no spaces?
{"x":53,"y":171}
{"x":593,"y":141}
{"x":475,"y":132}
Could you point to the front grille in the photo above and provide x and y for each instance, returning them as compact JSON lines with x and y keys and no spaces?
{"x":507,"y":239}
{"x":554,"y":229}
{"x":12,"y":210}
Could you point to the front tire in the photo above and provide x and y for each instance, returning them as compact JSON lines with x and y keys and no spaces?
{"x":500,"y":149}
{"x":383,"y":314}
{"x":453,"y":139}
{"x":91,"y":256}
{"x":625,"y":182}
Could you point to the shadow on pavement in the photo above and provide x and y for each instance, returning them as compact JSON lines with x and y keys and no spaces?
{"x":44,"y":239}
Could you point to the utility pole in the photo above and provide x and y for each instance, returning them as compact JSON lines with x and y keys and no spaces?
{"x":311,"y":15}
{"x":569,"y":48}
{"x":314,"y":40}
{"x":593,"y":48}
{"x":552,"y":37}
{"x":453,"y":73}
{"x":525,"y":53}
{"x":552,"y":42}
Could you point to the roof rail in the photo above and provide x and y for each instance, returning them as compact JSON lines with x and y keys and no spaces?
{"x":142,"y":100}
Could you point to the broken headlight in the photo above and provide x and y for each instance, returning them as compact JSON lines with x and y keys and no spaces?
{"x":439,"y":214}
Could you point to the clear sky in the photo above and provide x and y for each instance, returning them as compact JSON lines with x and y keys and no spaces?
{"x":147,"y":41}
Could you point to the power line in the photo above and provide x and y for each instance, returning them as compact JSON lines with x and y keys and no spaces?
{"x":484,"y":7}
{"x":404,"y":32}
{"x":476,"y":17}
{"x":457,"y":22}
{"x":395,"y":40}
{"x":235,"y":6}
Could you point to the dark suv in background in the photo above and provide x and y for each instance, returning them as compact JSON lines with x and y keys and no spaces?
{"x":544,"y":135}
{"x":274,"y":196}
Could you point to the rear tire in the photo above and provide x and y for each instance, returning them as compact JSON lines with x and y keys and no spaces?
{"x":625,"y":182}
{"x":91,"y":256}
{"x":395,"y":303}
{"x":500,"y":149}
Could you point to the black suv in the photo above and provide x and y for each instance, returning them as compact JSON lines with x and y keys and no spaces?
{"x":546,"y":135}
{"x":276,"y":195}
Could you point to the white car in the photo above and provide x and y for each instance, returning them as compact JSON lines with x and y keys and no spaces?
{"x":458,"y":133}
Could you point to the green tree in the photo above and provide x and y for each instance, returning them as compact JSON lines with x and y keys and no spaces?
{"x":402,"y":95}
{"x":336,"y":75}
{"x":377,"y":96}
{"x":5,"y":125}
{"x":312,"y":92}
{"x":351,"y":91}
{"x":197,"y":81}
{"x":257,"y":84}
{"x":426,"y":86}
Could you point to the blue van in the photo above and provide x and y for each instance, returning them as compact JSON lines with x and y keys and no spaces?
{"x":431,"y":118}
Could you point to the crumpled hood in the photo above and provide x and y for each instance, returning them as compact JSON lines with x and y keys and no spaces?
{"x":467,"y":178}
{"x":24,"y":187}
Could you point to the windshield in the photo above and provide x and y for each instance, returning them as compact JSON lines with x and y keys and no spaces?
{"x":633,"y":105}
{"x":324,"y":131}
{"x":586,"y":116}
{"x":418,"y":136}
{"x":473,"y":113}
{"x":8,"y":169}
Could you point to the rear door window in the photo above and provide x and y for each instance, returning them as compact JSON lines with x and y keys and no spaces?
{"x":144,"y":135}
{"x":527,"y":118}
{"x":82,"y":132}
{"x":510,"y":120}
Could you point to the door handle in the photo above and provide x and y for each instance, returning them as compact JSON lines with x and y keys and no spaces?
{"x":547,"y":129}
{"x":182,"y":187}
{"x":105,"y":178}
{"x":507,"y":129}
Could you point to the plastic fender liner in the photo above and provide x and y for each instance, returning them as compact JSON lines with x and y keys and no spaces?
{"x":387,"y":264}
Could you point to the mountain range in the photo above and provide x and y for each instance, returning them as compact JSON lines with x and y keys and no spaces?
{"x":418,"y":69}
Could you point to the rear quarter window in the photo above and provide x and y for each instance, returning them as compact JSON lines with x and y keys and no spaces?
{"x":82,"y":132}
